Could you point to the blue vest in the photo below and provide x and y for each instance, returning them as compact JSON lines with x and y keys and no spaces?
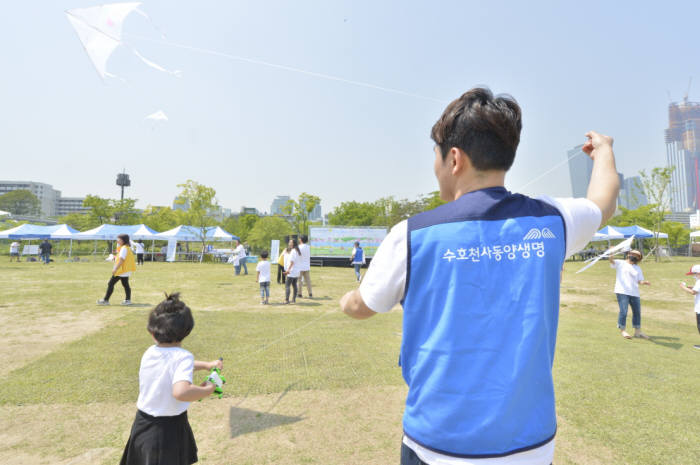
{"x":358,"y":255}
{"x":481,"y":309}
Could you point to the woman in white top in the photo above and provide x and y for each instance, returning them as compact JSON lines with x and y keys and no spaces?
{"x":292,"y":262}
{"x":627,"y":280}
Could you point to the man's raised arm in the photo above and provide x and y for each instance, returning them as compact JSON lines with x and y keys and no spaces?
{"x":605,"y":183}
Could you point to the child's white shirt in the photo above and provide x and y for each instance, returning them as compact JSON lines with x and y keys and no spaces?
{"x":696,"y":288}
{"x":161,"y":367}
{"x":263,"y":268}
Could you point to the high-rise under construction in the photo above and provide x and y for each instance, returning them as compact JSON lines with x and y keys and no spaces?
{"x":683,"y":153}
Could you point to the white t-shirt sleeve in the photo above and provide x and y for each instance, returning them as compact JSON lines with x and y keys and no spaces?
{"x":183,"y":370}
{"x":582,"y":218}
{"x":696,"y":287}
{"x":640,"y":274}
{"x":122,"y":253}
{"x":383,"y":285}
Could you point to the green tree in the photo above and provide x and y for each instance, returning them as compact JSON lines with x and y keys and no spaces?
{"x":353,"y":214}
{"x":161,"y":218}
{"x":124,"y":211}
{"x":299,"y":211}
{"x":432,"y":200}
{"x":656,"y":186}
{"x":245,"y":225}
{"x":267,"y":229}
{"x":20,"y":202}
{"x":100,"y":209}
{"x":678,"y":234}
{"x":79,"y":221}
{"x":639,"y":216}
{"x":200,"y":200}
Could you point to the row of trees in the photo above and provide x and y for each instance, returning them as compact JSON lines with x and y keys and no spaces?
{"x":200,"y":201}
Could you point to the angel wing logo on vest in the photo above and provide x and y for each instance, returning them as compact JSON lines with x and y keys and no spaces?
{"x":535,"y":233}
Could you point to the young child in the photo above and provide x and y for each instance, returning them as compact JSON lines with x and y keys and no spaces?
{"x":263,"y":270}
{"x":161,"y":434}
{"x":695,"y":291}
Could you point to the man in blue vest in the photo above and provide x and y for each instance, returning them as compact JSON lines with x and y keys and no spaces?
{"x":477,"y":349}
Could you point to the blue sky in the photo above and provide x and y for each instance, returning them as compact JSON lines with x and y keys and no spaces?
{"x":253,"y":131}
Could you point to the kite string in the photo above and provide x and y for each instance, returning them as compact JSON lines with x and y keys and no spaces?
{"x":329,"y":77}
{"x":548,"y":171}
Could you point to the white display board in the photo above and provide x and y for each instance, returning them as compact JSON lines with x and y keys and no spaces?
{"x":274,"y":250}
{"x":339,"y":241}
{"x":172,"y":249}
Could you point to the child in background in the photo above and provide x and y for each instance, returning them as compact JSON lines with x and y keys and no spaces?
{"x":263,"y":270}
{"x":695,"y":291}
{"x":161,"y":434}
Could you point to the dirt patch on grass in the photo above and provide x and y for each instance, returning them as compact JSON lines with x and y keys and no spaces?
{"x":28,"y":338}
{"x":346,"y":426}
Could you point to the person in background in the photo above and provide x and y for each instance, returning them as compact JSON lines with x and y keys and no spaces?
{"x":280,"y":266}
{"x":138,"y":250}
{"x":14,"y":250}
{"x":239,"y":258}
{"x":305,"y":265}
{"x":291,"y":270}
{"x":263,"y":277}
{"x":628,"y":277}
{"x":45,"y":251}
{"x":357,"y":258}
{"x":694,"y":291}
{"x":124,"y":265}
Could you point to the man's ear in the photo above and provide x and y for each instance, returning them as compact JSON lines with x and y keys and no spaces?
{"x":460,"y":161}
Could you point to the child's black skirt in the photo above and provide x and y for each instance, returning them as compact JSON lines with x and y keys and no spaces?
{"x":160,"y":441}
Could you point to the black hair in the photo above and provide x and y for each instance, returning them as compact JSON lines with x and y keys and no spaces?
{"x":304,"y":238}
{"x":357,"y":244}
{"x":124,"y":238}
{"x":171,"y":320}
{"x":485,"y":127}
{"x":264,"y":254}
{"x":295,"y":246}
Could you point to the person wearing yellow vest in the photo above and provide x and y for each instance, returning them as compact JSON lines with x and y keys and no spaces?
{"x":124,"y":265}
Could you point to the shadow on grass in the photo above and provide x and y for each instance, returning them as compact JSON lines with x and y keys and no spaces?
{"x":665,"y":341}
{"x":139,"y":305}
{"x":243,"y":421}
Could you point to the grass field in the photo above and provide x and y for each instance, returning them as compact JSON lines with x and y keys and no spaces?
{"x":306,"y":384}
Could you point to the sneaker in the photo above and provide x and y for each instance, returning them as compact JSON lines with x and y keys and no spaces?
{"x":625,"y":334}
{"x":103,"y":302}
{"x":126,"y":302}
{"x":697,"y":346}
{"x":311,"y":296}
{"x":641,"y":335}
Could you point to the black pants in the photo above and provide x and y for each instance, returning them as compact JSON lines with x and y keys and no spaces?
{"x":280,"y":274}
{"x":113,"y":281}
{"x":139,"y":259}
{"x":293,"y":283}
{"x":697,"y":317}
{"x":408,"y":457}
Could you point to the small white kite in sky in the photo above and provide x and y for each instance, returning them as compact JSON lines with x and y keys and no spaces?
{"x":100,"y":31}
{"x":621,"y":247}
{"x":158,"y":116}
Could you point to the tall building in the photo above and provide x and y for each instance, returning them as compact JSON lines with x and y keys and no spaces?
{"x":316,"y":214}
{"x":580,"y":168}
{"x":632,"y":193}
{"x":277,"y":204}
{"x":68,"y":205}
{"x":683,"y":153}
{"x":47,"y":195}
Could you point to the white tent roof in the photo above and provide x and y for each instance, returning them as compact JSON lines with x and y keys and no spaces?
{"x":63,"y":231}
{"x":3,"y":213}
